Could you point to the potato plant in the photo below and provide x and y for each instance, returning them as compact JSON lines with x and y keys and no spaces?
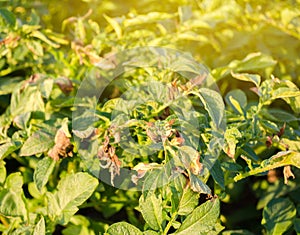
{"x":150,"y":119}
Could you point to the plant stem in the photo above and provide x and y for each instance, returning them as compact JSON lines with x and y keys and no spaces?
{"x":173,"y":218}
{"x":257,"y":170}
{"x":4,"y":221}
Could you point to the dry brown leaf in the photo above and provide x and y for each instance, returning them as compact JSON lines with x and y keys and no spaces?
{"x":62,"y":148}
{"x":287,"y":173}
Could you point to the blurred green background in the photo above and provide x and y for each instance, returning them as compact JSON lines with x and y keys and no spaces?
{"x":215,"y":32}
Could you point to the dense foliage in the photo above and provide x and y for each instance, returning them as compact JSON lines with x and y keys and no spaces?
{"x":149,"y":117}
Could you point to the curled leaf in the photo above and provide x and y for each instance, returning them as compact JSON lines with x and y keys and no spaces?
{"x":109,"y":160}
{"x":65,"y":84}
{"x":62,"y":147}
{"x":287,"y":173}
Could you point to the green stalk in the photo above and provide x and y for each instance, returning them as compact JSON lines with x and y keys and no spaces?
{"x":258,"y":170}
{"x":173,"y":218}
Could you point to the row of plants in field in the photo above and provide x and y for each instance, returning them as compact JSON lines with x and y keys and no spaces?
{"x":152,"y":122}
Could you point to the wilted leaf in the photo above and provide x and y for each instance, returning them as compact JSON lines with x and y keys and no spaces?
{"x":287,"y":173}
{"x":62,"y":147}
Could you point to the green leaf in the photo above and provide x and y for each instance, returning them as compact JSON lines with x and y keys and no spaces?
{"x":253,"y":61}
{"x":46,"y":87}
{"x":151,"y":209}
{"x":248,"y":152}
{"x":188,"y":201}
{"x":278,"y":215}
{"x":254,"y":78}
{"x":213,"y":103}
{"x":9,"y":84}
{"x":38,"y":142}
{"x":202,"y":219}
{"x":43,"y":171}
{"x":287,"y":15}
{"x":40,"y":228}
{"x":76,"y":229}
{"x":8,"y":16}
{"x":22,"y":120}
{"x":217,"y":174}
{"x":150,"y":232}
{"x":184,"y":200}
{"x":8,"y":148}
{"x":28,"y":100}
{"x":42,"y":37}
{"x":237,"y":99}
{"x":237,"y":232}
{"x":155,"y":179}
{"x":2,"y":172}
{"x":73,"y":190}
{"x":297,"y":225}
{"x":35,"y":47}
{"x":197,"y":185}
{"x":123,"y":228}
{"x":283,"y":158}
{"x":11,"y":200}
{"x":285,"y":92}
{"x":115,"y":25}
{"x":269,"y":126}
{"x":151,"y":17}
{"x":232,"y":136}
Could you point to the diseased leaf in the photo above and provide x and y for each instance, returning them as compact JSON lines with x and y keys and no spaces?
{"x":254,"y":78}
{"x":283,"y":158}
{"x":197,"y":185}
{"x":63,"y":146}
